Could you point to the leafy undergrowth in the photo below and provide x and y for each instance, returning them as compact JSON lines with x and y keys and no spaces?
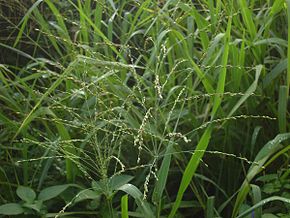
{"x":145,"y":108}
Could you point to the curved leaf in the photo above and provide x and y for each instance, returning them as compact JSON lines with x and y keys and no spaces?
{"x":261,"y":203}
{"x":137,"y":195}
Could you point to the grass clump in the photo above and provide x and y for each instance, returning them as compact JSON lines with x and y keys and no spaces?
{"x":145,"y":108}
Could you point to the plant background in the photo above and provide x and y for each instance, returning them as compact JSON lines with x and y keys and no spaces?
{"x":144,"y":108}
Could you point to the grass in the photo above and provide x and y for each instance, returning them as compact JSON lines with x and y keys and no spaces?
{"x":144,"y":108}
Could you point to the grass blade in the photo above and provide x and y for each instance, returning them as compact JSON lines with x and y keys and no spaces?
{"x":24,"y":21}
{"x":124,"y":206}
{"x":282,"y":108}
{"x":288,"y":50}
{"x":162,"y":174}
{"x":256,"y":191}
{"x":222,"y":75}
{"x":263,"y":202}
{"x":250,"y":91}
{"x":191,"y":168}
{"x":210,"y":207}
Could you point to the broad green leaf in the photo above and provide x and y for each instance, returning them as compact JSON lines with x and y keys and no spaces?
{"x":267,"y":178}
{"x":26,"y":194}
{"x":11,"y":209}
{"x":52,"y":192}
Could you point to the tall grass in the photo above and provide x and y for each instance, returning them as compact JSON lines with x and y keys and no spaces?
{"x":146,"y":108}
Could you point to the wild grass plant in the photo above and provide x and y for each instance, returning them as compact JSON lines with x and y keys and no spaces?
{"x":145,"y":108}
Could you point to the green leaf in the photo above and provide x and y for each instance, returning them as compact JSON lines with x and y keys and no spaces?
{"x":269,"y":149}
{"x":191,"y":168}
{"x":124,"y":206}
{"x":26,"y":194}
{"x":51,"y":89}
{"x":256,"y":198}
{"x":85,"y":195}
{"x":24,"y":21}
{"x":277,"y":7}
{"x":163,"y":174}
{"x":269,"y":215}
{"x":137,"y":195}
{"x":261,"y":203}
{"x":35,"y":206}
{"x":131,"y":190}
{"x":282,"y":108}
{"x":210,"y":207}
{"x":117,"y":181}
{"x":250,"y":90}
{"x":100,"y":186}
{"x":248,"y":18}
{"x":288,"y":50}
{"x":267,"y":178}
{"x":52,"y":192}
{"x":275,"y":73}
{"x":11,"y":209}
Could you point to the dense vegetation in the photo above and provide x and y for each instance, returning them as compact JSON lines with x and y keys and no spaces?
{"x":125,"y":108}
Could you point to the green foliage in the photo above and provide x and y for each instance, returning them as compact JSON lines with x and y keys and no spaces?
{"x":30,"y":204}
{"x":145,"y":108}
